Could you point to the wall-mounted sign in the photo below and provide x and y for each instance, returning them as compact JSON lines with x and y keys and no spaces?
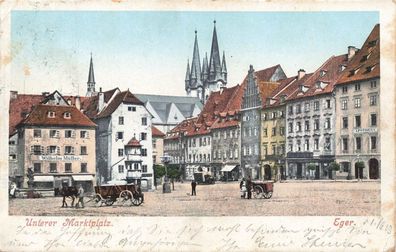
{"x":366,"y":130}
{"x":60,"y":158}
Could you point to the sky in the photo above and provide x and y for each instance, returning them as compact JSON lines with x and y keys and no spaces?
{"x":147,"y":51}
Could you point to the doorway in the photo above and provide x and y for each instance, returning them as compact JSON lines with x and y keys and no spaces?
{"x":299,"y":170}
{"x":373,"y":169}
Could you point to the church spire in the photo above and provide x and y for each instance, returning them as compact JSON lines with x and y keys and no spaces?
{"x":187,"y":80}
{"x":224,"y":67}
{"x":91,"y":80}
{"x":214,"y":61}
{"x":195,"y":65}
{"x":205,"y":71}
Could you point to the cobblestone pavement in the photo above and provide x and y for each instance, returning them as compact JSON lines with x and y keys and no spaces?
{"x":223,"y":199}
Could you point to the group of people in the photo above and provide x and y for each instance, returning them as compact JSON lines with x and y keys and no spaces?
{"x":246,"y":188}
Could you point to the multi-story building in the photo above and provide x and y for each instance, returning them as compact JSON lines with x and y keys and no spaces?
{"x":200,"y":82}
{"x":357,"y":122}
{"x":273,"y":131}
{"x":57,"y":142}
{"x":257,"y":87}
{"x":158,"y":145}
{"x":121,"y":119}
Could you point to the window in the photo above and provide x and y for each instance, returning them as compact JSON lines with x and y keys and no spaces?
{"x":291,"y":147}
{"x":52,"y":167}
{"x":373,"y":84}
{"x":327,"y":123}
{"x":273,"y":115}
{"x":273,"y":149}
{"x":327,"y":145}
{"x":255,"y":131}
{"x":358,"y":143}
{"x":282,"y":131}
{"x":281,"y":114}
{"x":290,"y":127}
{"x":120,"y":152}
{"x":67,"y":115}
{"x":316,"y":124}
{"x":357,"y":121}
{"x":357,"y":102}
{"x":68,"y":167}
{"x":51,"y":114}
{"x":373,"y":100}
{"x":136,"y":166}
{"x":11,"y":142}
{"x":345,"y":89}
{"x":121,"y":120}
{"x":344,"y":104}
{"x":83,"y":134}
{"x":69,"y":150}
{"x":12,"y":156}
{"x":52,"y":149}
{"x":37,"y":149}
{"x":373,"y":142}
{"x":298,"y":145}
{"x":265,"y":116}
{"x":306,"y":145}
{"x":120,"y":135}
{"x":345,"y":144}
{"x":131,"y":108}
{"x":306,"y":125}
{"x":144,"y":152}
{"x":316,"y":144}
{"x":83,"y":150}
{"x":143,"y":136}
{"x":54,"y":133}
{"x":357,"y":87}
{"x":274,"y":131}
{"x":290,"y":110}
{"x":265,"y":132}
{"x":144,"y":120}
{"x":345,"y":122}
{"x":36,"y":133}
{"x":37,"y":167}
{"x":298,"y":108}
{"x":298,"y":127}
{"x":144,"y":168}
{"x":68,"y":134}
{"x":120,"y":168}
{"x":306,"y":107}
{"x":328,"y":103}
{"x":373,"y":119}
{"x":316,"y":105}
{"x":83,"y":167}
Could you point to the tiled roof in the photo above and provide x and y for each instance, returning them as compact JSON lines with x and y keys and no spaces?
{"x":366,"y":63}
{"x":20,"y":106}
{"x":155,"y":132}
{"x":292,"y":90}
{"x":123,"y":97}
{"x":39,"y":116}
{"x":133,"y":142}
{"x":265,"y":89}
{"x":181,"y":128}
{"x":90,"y":104}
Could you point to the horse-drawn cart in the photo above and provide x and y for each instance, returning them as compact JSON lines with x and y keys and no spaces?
{"x":262,"y":189}
{"x":127,"y":195}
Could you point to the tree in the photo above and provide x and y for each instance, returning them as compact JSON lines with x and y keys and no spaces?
{"x":159,"y":171}
{"x":334,"y":166}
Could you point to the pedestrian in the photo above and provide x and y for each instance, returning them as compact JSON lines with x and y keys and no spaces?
{"x":249,"y":187}
{"x":80,"y":196}
{"x":242,"y":186}
{"x":193,"y":186}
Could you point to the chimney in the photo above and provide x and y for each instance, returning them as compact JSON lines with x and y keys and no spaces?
{"x":351,"y":52}
{"x":13,"y":95}
{"x":78,"y":102}
{"x":301,"y":73}
{"x":100,"y":100}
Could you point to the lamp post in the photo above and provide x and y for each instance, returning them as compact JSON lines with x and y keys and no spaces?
{"x":166,"y":186}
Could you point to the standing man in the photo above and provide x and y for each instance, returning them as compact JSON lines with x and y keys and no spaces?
{"x":193,"y":185}
{"x":80,"y":196}
{"x":249,"y":187}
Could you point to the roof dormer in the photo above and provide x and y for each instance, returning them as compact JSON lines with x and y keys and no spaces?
{"x":67,"y":115}
{"x":322,"y":73}
{"x":51,"y":114}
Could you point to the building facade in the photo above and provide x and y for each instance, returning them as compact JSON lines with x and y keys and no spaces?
{"x":158,"y":145}
{"x":357,"y":98}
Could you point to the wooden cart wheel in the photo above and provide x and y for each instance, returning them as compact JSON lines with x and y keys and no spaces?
{"x":267,"y":195}
{"x":98,"y":200}
{"x":137,"y":200}
{"x":257,"y":192}
{"x":126,"y":197}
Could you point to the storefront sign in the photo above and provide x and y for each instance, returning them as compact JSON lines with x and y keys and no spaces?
{"x":60,"y":158}
{"x":367,"y":130}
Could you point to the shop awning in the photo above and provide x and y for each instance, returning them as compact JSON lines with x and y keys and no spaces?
{"x":82,"y":177}
{"x":43,"y":178}
{"x":228,"y":168}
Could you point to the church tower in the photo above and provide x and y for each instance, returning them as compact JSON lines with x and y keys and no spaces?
{"x":212,"y":77}
{"x":91,"y":80}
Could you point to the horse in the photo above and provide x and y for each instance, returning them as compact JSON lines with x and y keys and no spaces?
{"x":70,"y":192}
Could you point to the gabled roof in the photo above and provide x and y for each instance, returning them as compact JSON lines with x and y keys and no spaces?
{"x":125,"y":97}
{"x":39,"y":117}
{"x":133,"y":142}
{"x":265,"y":90}
{"x":90,"y":104}
{"x":266,"y":74}
{"x":292,"y":90}
{"x":366,"y":63}
{"x":155,"y":132}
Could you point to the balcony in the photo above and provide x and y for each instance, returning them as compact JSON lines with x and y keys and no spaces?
{"x":133,"y":157}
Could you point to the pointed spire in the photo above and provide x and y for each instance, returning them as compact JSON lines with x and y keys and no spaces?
{"x":223,"y":64}
{"x":205,"y":69}
{"x":91,"y":79}
{"x":214,"y":61}
{"x":195,"y":64}
{"x":187,"y":80}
